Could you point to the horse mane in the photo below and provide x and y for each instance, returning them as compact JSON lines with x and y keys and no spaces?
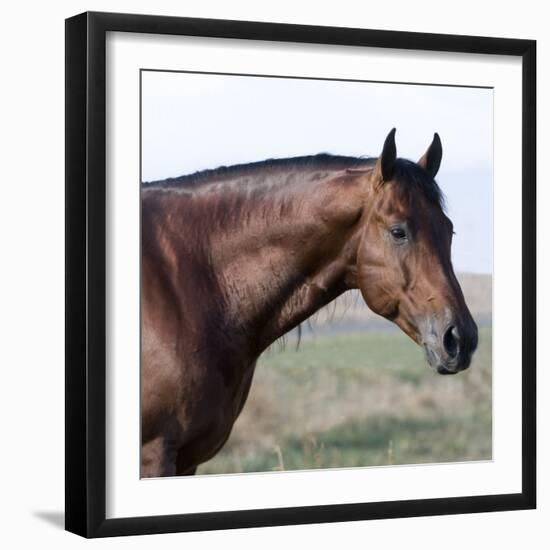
{"x":310,"y":162}
{"x":406,"y":173}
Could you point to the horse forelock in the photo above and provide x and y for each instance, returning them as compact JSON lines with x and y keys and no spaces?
{"x":415,"y":180}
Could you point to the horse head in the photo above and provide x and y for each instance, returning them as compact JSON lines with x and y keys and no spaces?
{"x":404,"y":268}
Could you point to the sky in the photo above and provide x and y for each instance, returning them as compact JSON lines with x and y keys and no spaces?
{"x":194,"y":121}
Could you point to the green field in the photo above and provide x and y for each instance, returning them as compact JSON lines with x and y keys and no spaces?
{"x":359,"y":399}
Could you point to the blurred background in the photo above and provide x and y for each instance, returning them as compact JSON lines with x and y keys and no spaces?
{"x":356,"y":391}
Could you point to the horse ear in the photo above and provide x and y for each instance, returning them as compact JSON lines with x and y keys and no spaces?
{"x":386,"y":162}
{"x":431,"y":159}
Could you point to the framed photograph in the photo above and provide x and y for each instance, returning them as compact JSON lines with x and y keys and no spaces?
{"x":280,"y":241}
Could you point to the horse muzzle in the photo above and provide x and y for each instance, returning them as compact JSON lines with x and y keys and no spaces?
{"x":449,"y":343}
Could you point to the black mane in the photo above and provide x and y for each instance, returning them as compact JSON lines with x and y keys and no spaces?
{"x":406,"y":172}
{"x":320,"y":161}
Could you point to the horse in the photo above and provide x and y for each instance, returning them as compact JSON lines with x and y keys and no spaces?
{"x":235,"y":257}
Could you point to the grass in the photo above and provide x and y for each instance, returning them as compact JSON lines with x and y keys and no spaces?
{"x":360,"y":399}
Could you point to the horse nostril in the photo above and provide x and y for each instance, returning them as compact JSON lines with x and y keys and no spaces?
{"x":450,"y":341}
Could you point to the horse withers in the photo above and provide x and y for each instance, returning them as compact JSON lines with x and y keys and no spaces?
{"x":234,"y":258}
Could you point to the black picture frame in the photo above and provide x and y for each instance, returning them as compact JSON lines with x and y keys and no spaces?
{"x":86,"y":273}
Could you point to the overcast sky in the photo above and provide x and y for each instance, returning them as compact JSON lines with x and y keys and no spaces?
{"x":191,"y":122}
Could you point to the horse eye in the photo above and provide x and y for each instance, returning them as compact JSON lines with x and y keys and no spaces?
{"x":398,"y":233}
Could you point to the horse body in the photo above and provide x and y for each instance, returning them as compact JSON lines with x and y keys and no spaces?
{"x":234,"y":259}
{"x":215,"y":295}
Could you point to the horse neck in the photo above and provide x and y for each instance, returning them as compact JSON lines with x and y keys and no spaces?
{"x":288,"y":256}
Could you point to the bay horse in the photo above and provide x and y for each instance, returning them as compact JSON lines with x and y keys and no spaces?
{"x":234,"y":258}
